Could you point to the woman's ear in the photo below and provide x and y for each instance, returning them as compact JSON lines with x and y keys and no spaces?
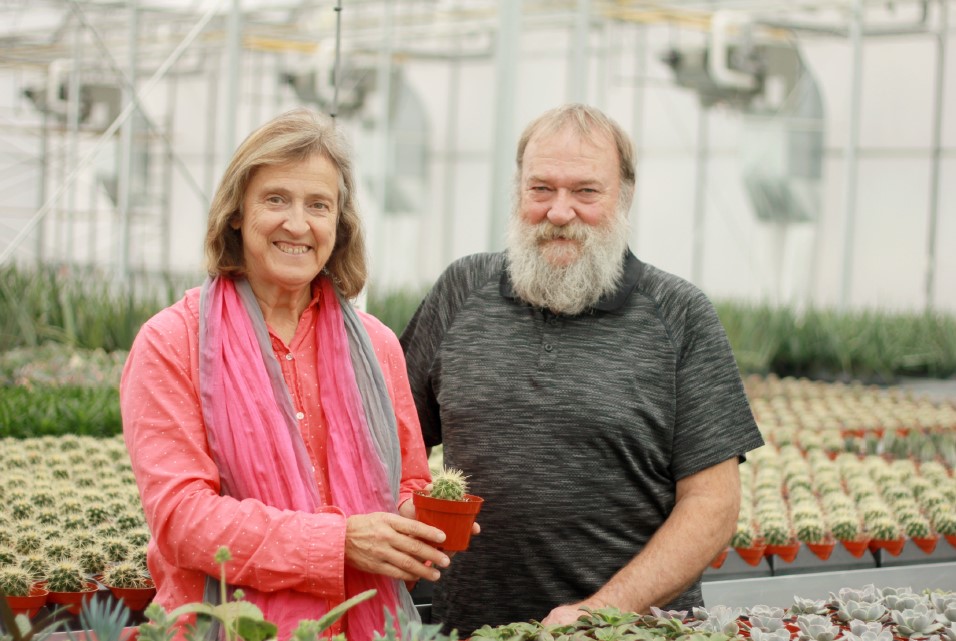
{"x":235,"y":221}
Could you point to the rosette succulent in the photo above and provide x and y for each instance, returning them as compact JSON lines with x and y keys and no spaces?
{"x":919,"y":621}
{"x":816,"y":627}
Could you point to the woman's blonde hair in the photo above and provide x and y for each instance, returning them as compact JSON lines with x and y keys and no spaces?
{"x":291,"y":137}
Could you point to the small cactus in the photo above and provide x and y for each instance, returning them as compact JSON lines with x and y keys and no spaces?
{"x":126,"y":575}
{"x":66,"y":576}
{"x":449,"y":484}
{"x":15,"y":581}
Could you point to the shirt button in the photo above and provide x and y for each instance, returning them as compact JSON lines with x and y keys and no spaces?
{"x":547,"y":347}
{"x":288,"y":357}
{"x":300,"y":415}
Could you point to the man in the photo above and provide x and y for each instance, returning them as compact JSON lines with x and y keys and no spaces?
{"x":592,"y":399}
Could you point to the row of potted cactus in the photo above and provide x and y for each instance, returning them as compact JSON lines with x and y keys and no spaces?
{"x":791,"y":499}
{"x":70,"y":522}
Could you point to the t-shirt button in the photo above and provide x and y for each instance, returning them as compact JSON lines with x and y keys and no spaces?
{"x":547,"y":347}
{"x":300,"y":415}
{"x":288,"y":357}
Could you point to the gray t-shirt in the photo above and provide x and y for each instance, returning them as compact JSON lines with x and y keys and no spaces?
{"x":574,"y":429}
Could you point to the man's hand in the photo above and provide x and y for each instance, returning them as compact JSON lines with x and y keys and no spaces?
{"x":566,"y":614}
{"x":394,"y":546}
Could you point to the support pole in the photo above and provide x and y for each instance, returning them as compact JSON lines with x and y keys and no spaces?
{"x":233,"y":66}
{"x":852,"y":148}
{"x":700,"y":195}
{"x":124,"y":171}
{"x":580,"y":53}
{"x":937,"y":153}
{"x":506,"y":72}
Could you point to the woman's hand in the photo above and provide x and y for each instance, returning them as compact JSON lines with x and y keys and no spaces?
{"x":394,"y":546}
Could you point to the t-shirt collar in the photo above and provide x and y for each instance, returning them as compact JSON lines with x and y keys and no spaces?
{"x":607,"y":303}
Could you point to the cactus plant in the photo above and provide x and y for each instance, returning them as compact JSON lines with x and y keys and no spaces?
{"x":126,"y":575}
{"x":66,"y":576}
{"x":449,"y":484}
{"x":15,"y":581}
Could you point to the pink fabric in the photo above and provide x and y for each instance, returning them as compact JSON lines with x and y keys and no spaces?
{"x":272,"y":549}
{"x":357,"y":476}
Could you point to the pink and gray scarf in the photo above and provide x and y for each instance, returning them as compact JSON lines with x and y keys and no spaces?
{"x":256,"y":444}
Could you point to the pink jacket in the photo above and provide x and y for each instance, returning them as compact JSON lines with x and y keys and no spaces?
{"x":272,"y":549}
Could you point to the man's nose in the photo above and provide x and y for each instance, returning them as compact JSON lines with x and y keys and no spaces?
{"x":562,"y":209}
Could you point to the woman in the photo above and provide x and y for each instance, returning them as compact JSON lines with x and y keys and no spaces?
{"x":263,"y":413}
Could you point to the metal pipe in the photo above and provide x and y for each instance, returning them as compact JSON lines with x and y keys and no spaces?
{"x":506,"y":69}
{"x":336,"y":73}
{"x":73,"y":123}
{"x":937,"y":137}
{"x":580,"y":53}
{"x":384,"y":140}
{"x":637,"y":116}
{"x":233,"y":67}
{"x":700,"y":196}
{"x":124,"y":171}
{"x":451,"y":164}
{"x":852,"y":144}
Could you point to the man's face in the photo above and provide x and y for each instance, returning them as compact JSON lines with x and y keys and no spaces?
{"x":568,"y":233}
{"x":567,"y":182}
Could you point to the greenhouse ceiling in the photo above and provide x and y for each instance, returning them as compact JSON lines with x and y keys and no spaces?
{"x":36,"y":32}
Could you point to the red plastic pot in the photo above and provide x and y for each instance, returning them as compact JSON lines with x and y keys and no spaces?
{"x":719,"y":559}
{"x":30,"y":604}
{"x":893,"y":546}
{"x":786,"y":553}
{"x":926,"y":543}
{"x":454,"y":518}
{"x":754,"y":554}
{"x":73,"y":601}
{"x":858,"y":547}
{"x":822,"y":550}
{"x":135,"y":599}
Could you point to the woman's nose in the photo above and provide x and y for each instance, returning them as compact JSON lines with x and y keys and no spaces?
{"x":297,"y":218}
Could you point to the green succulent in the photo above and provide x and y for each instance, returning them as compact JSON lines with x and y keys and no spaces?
{"x":36,"y":564}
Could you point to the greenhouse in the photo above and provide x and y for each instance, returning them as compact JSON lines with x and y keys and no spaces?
{"x":278,"y":267}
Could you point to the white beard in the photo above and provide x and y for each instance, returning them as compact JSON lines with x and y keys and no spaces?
{"x":595,"y":271}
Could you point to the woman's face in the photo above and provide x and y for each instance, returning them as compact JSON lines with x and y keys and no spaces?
{"x":288,"y":223}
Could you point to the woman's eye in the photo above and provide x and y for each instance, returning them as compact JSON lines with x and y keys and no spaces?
{"x":275,"y":200}
{"x":322,"y":206}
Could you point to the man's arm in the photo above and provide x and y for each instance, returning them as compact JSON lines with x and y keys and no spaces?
{"x":701,"y":524}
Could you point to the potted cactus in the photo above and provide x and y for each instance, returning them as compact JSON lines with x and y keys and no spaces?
{"x":129,"y":583}
{"x":22,"y":592}
{"x":68,"y":586}
{"x":449,"y":507}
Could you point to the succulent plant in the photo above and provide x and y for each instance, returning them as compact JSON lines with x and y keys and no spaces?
{"x":884,"y":529}
{"x":860,"y":628}
{"x":65,"y":576}
{"x":719,"y":618}
{"x":845,"y":527}
{"x":816,"y":627}
{"x":917,"y":528}
{"x":861,"y":611}
{"x":8,"y":556}
{"x":779,"y":634}
{"x":743,"y":536}
{"x":919,"y":621}
{"x":807,"y":606}
{"x":126,"y":575}
{"x":15,"y":581}
{"x":449,"y":484}
{"x":810,"y":531}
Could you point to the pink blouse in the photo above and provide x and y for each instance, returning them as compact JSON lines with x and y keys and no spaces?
{"x":271,"y":549}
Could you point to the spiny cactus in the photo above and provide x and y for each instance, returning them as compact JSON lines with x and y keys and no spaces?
{"x":15,"y":581}
{"x":65,"y":576}
{"x":449,"y":484}
{"x":126,"y":575}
